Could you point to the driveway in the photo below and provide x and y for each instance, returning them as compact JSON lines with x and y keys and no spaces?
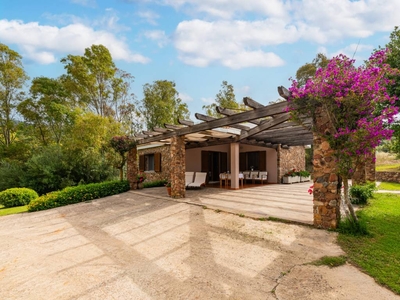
{"x":136,"y":246}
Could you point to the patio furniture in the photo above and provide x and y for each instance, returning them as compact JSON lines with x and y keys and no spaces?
{"x":222,"y":178}
{"x":246,"y":175}
{"x":262,"y":175}
{"x":253,"y":175}
{"x":199,"y":180}
{"x":188,"y":177}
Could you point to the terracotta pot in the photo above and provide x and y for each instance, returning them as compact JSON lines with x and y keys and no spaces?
{"x":169,"y":190}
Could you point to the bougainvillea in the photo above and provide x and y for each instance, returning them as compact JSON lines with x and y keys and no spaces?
{"x":356,"y":102}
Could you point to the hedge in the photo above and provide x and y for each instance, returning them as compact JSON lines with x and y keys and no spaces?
{"x":80,"y":193}
{"x":17,"y":197}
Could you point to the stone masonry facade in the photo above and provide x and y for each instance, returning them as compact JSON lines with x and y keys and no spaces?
{"x":327,"y":187}
{"x":289,"y":159}
{"x":132,"y":168}
{"x":165,"y":163}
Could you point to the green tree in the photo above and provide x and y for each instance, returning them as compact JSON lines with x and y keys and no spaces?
{"x":48,"y":109}
{"x":308,"y":70}
{"x":226,"y":99}
{"x":161,"y":104}
{"x":12,"y":79}
{"x":94,"y":80}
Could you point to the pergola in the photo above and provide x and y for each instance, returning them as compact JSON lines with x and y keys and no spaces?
{"x":260,"y":125}
{"x":266,"y":126}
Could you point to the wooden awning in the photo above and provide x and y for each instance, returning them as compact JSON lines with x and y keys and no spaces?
{"x":266,"y":126}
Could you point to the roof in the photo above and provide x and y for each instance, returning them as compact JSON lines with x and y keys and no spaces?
{"x":267,"y":126}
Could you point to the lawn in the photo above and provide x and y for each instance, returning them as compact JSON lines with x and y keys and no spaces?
{"x":378,"y":254}
{"x":12,"y":210}
{"x":387,"y":162}
{"x":389,"y":186}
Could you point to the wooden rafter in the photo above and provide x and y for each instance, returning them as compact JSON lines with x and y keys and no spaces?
{"x":208,"y":119}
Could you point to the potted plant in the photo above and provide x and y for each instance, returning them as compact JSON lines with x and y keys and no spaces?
{"x":291,"y":176}
{"x":168,"y":185}
{"x":304,"y":176}
{"x":140,"y":178}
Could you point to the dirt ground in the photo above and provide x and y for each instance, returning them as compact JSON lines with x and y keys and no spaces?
{"x":131,"y":246}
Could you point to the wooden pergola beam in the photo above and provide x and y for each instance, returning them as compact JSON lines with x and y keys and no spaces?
{"x":229,"y":112}
{"x":208,"y":119}
{"x":251,"y":103}
{"x":283,"y":92}
{"x":185,"y":122}
{"x":273,"y":109}
{"x":264,"y":126}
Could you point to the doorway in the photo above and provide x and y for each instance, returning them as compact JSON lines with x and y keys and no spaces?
{"x":214,"y":163}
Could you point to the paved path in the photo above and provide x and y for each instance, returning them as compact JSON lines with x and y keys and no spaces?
{"x":135,"y":246}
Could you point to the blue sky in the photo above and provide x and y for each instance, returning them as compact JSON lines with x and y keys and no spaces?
{"x":256,"y":45}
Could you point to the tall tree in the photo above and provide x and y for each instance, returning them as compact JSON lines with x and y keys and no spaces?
{"x":161,"y":104}
{"x":224,"y":98}
{"x":48,"y":109}
{"x":12,"y":79}
{"x":308,"y":70}
{"x":94,"y":81}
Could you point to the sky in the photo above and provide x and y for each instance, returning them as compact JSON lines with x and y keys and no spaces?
{"x":255,"y":45}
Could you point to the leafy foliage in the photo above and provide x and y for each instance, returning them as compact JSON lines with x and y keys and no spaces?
{"x":225,"y":98}
{"x":359,"y":194}
{"x":161,"y":104}
{"x":357,"y":106}
{"x":154,"y":183}
{"x":308,"y":70}
{"x":78,"y":194}
{"x":17,"y":197}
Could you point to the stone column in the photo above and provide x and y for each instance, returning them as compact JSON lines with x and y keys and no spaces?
{"x":370,"y":168}
{"x":235,"y":165}
{"x":326,"y":195}
{"x":178,"y":167}
{"x":279,"y":166}
{"x":359,"y":176}
{"x":132,"y":168}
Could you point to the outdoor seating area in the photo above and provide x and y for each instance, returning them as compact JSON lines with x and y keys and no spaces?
{"x":252,"y":177}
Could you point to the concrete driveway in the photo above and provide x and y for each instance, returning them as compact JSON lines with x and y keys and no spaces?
{"x":136,"y":246}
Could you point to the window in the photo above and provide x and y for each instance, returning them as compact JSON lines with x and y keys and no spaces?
{"x":150,"y":162}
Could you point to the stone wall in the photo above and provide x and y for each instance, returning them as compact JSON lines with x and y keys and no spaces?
{"x":388,"y":176}
{"x":289,"y":159}
{"x":132,"y":168}
{"x":165,"y":163}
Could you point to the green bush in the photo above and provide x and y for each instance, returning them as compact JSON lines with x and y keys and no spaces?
{"x":154,"y":183}
{"x":359,"y":194}
{"x":79,"y":193}
{"x":17,"y":197}
{"x":351,"y":227}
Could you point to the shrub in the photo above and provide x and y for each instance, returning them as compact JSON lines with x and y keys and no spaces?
{"x":79,"y":193}
{"x":154,"y":183}
{"x":351,"y":227}
{"x":17,"y":197}
{"x":304,"y":173}
{"x":359,"y":194}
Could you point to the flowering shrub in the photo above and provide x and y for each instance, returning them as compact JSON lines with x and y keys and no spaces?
{"x":311,"y":189}
{"x":291,"y":173}
{"x":357,"y":105}
{"x":141,"y":177}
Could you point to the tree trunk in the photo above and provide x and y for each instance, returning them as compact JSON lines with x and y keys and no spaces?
{"x":347,"y":200}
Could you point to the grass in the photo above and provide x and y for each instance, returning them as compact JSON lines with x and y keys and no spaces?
{"x":389,"y":186}
{"x":378,"y":253}
{"x":330,"y":261}
{"x":13,"y":210}
{"x":388,"y":168}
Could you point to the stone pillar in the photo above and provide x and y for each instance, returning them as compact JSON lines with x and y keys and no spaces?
{"x":279,"y":166}
{"x":132,"y":168}
{"x":370,"y":168}
{"x":359,"y":175}
{"x":326,"y":195}
{"x":178,"y":167}
{"x":235,"y":166}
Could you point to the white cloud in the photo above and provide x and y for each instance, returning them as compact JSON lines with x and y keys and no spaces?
{"x":149,"y":16}
{"x":157,"y":35}
{"x":43,"y":43}
{"x":185,"y":97}
{"x":207,"y":100}
{"x":235,"y":44}
{"x":89,"y":3}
